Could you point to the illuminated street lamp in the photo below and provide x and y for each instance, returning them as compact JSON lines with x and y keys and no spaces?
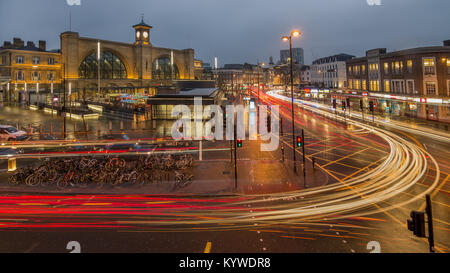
{"x":294,"y":33}
{"x":98,"y":68}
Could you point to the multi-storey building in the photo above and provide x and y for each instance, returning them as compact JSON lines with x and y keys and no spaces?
{"x":412,"y":82}
{"x":238,"y":76}
{"x":305,"y":74}
{"x":133,"y":68}
{"x":330,"y":72}
{"x":297,"y":56}
{"x":26,"y":69}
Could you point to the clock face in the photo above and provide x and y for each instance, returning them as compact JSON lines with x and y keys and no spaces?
{"x":138,"y":34}
{"x":145,"y":34}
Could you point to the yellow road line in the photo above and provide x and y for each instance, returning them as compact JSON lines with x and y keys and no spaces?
{"x":347,"y":156}
{"x":207,"y":247}
{"x":362,"y":169}
{"x":435,"y":191}
{"x":297,"y":237}
{"x":32,"y":204}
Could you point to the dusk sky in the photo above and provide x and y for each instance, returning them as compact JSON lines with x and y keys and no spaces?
{"x":237,"y":31}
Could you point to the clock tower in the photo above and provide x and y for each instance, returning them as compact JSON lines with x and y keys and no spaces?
{"x":142,"y":34}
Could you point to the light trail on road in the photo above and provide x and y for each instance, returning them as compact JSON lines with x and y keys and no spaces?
{"x":404,"y":166}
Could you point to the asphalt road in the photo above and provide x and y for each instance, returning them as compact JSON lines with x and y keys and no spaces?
{"x":37,"y":222}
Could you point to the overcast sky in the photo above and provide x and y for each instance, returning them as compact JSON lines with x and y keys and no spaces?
{"x":237,"y":31}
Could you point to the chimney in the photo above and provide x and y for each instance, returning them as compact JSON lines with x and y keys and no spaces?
{"x":41,"y":45}
{"x":447,"y":43}
{"x":30,"y":44}
{"x":18,"y":43}
{"x":7,"y":45}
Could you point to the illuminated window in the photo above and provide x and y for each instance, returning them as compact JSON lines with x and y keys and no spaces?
{"x":448,"y":65}
{"x":19,"y":59}
{"x":111,"y":67}
{"x":349,"y":70}
{"x":162,"y":69}
{"x":51,"y":76}
{"x":35,"y":76}
{"x":387,"y":86}
{"x":19,"y":75}
{"x":350,"y":84}
{"x":364,"y":87}
{"x":409,"y":64}
{"x":357,"y":84}
{"x":428,"y":64}
{"x":363,"y":69}
{"x":386,"y":68}
{"x":398,"y":67}
{"x":36,"y":60}
{"x":430,"y":88}
{"x":374,"y":85}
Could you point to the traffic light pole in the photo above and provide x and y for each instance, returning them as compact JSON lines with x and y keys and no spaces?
{"x":304,"y":161}
{"x":361,"y":105}
{"x":430,"y":223}
{"x":417,"y":223}
{"x":282,"y":138}
{"x":373,"y":117}
{"x":235,"y":158}
{"x":231,"y":151}
{"x":292,"y":105}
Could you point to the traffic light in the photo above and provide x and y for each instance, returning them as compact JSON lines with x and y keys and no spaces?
{"x":299,"y":142}
{"x":417,"y":223}
{"x":239,"y":143}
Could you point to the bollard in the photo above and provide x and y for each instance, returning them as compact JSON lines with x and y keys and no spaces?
{"x":11,"y":164}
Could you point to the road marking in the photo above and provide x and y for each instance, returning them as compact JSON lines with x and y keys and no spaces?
{"x":296,"y":237}
{"x":96,"y":204}
{"x":435,"y":191}
{"x":207,"y":247}
{"x":347,"y":156}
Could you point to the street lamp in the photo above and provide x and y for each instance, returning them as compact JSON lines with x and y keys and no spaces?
{"x":294,"y":33}
{"x":98,"y":69}
{"x":259,"y":72}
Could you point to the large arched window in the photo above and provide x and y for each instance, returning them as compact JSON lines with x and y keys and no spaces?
{"x":162,"y":69}
{"x":111,"y":67}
